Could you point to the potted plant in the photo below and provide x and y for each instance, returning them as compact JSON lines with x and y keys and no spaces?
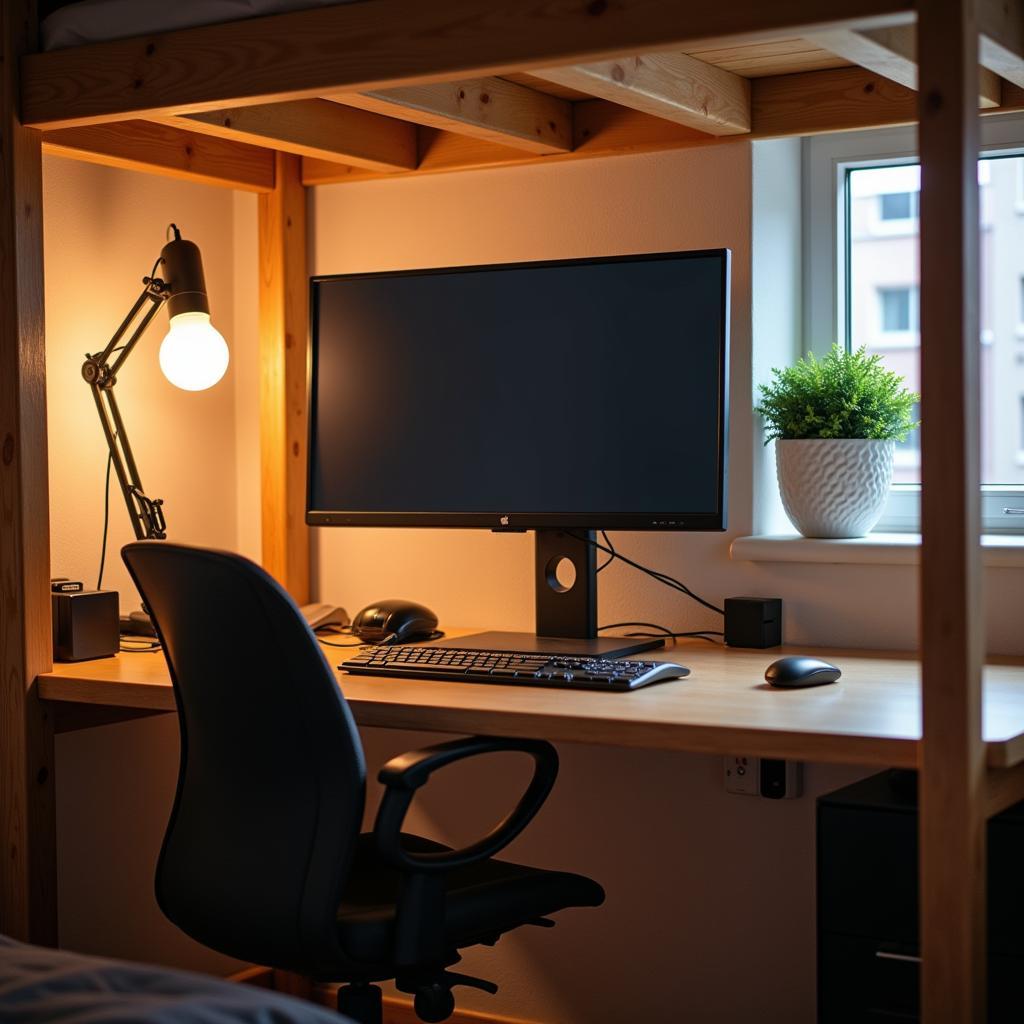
{"x":835,"y":422}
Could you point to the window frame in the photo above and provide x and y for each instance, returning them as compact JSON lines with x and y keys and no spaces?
{"x":826,"y":159}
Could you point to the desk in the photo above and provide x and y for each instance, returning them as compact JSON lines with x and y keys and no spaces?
{"x":872,"y":716}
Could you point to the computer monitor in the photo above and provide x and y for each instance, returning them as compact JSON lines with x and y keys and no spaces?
{"x":564,"y":396}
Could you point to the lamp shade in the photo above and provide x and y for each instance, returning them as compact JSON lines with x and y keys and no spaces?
{"x":194,"y":354}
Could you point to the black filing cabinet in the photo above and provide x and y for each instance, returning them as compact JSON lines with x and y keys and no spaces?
{"x":868,"y":966}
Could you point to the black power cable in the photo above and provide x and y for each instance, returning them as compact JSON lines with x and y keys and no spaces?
{"x":106,"y":522}
{"x":697,"y":634}
{"x":661,"y":577}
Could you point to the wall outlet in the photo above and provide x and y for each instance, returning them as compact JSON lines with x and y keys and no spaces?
{"x":743,"y":775}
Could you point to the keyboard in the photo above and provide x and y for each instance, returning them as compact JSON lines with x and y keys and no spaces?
{"x":468,"y":666}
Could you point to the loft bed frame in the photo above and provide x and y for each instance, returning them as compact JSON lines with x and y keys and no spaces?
{"x":390,"y":88}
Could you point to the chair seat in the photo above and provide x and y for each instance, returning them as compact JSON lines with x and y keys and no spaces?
{"x":482,"y":899}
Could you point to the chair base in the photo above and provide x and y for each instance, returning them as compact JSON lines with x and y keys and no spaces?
{"x":362,"y":1002}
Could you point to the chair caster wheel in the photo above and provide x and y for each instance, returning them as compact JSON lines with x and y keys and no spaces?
{"x":434,"y":1003}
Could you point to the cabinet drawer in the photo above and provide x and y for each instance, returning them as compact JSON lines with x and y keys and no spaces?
{"x":861,"y":979}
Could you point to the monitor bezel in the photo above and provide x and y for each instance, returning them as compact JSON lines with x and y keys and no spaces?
{"x":520,"y":521}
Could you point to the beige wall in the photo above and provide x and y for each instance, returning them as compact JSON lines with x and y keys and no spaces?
{"x":692,"y":875}
{"x":710,"y":897}
{"x":103,"y":230}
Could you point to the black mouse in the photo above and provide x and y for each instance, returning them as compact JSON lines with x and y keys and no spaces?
{"x":394,"y":622}
{"x":798,"y":670}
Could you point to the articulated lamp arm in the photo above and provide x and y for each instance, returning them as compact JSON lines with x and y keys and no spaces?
{"x":100,"y":374}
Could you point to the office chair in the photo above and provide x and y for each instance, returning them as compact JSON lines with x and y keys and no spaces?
{"x":263,"y":858}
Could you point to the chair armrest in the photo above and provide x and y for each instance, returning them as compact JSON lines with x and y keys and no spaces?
{"x":404,"y":774}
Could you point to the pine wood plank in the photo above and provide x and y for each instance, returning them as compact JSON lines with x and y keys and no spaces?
{"x":316,"y":128}
{"x":28,"y":878}
{"x":390,"y":43}
{"x":283,"y":328}
{"x":525,"y":78}
{"x":1002,"y":38}
{"x":846,"y":99}
{"x":166,"y":150}
{"x":776,"y":57}
{"x":485,"y":108}
{"x":824,"y":101}
{"x":672,"y":86}
{"x":953,"y":780}
{"x":892,"y":53}
{"x":871,"y":717}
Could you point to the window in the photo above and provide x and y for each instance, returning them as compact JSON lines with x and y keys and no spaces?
{"x":898,"y":205}
{"x":861,"y":205}
{"x":898,"y":309}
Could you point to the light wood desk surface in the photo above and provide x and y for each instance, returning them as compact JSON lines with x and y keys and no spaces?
{"x":871,"y":716}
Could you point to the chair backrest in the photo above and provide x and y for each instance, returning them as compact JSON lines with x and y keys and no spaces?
{"x":272,"y":777}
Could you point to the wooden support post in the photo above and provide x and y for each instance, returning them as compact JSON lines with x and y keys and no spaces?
{"x":953,"y":783}
{"x":28,"y":898}
{"x":283,"y":328}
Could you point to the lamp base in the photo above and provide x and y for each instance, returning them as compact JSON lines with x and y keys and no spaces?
{"x":137,"y":623}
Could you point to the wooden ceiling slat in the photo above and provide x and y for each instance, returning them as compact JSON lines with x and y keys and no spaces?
{"x":160,"y":149}
{"x":892,"y":53}
{"x":316,"y":128}
{"x":486,"y":108}
{"x":389,"y":44}
{"x":673,"y":86}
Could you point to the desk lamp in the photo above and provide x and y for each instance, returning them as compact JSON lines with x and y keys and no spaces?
{"x":193,"y":356}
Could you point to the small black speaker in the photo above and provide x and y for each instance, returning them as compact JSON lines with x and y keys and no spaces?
{"x":85,"y":625}
{"x":753,"y":621}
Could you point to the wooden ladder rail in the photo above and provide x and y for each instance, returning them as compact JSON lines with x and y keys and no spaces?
{"x":953,"y":777}
{"x":28,"y":898}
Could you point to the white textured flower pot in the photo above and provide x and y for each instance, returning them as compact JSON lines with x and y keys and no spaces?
{"x":834,"y":488}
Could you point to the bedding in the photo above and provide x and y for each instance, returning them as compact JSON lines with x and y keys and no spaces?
{"x":50,"y":986}
{"x":93,"y":21}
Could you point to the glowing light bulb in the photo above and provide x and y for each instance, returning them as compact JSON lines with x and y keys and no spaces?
{"x":194,"y":354}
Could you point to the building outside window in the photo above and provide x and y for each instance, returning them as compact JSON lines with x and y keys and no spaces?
{"x":861,"y":204}
{"x":898,"y":205}
{"x":898,"y":309}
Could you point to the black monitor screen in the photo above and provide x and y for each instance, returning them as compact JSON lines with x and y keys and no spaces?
{"x":586,"y":394}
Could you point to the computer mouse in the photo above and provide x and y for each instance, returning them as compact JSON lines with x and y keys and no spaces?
{"x":796,"y":671}
{"x":394,"y":622}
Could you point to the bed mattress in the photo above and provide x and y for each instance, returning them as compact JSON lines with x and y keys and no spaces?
{"x":42,"y":986}
{"x":93,"y":21}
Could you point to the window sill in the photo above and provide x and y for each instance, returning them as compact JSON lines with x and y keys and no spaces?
{"x":1003,"y":551}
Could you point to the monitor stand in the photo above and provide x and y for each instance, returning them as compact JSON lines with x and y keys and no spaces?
{"x":566,"y":615}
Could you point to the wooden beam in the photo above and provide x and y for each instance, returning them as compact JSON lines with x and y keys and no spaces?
{"x":953,"y":776}
{"x":892,"y":53}
{"x":1005,"y":788}
{"x":386,"y":44}
{"x":670,"y":85}
{"x":283,"y":329}
{"x":801,"y":104}
{"x":316,"y":128}
{"x":843,"y":99}
{"x":28,"y":878}
{"x":485,"y":108}
{"x":162,"y":149}
{"x":846,"y":99}
{"x":1002,"y":38}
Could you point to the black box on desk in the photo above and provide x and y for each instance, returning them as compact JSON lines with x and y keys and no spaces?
{"x":85,"y":625}
{"x":753,"y":621}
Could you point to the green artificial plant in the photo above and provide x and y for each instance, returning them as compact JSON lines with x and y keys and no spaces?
{"x":844,"y":395}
